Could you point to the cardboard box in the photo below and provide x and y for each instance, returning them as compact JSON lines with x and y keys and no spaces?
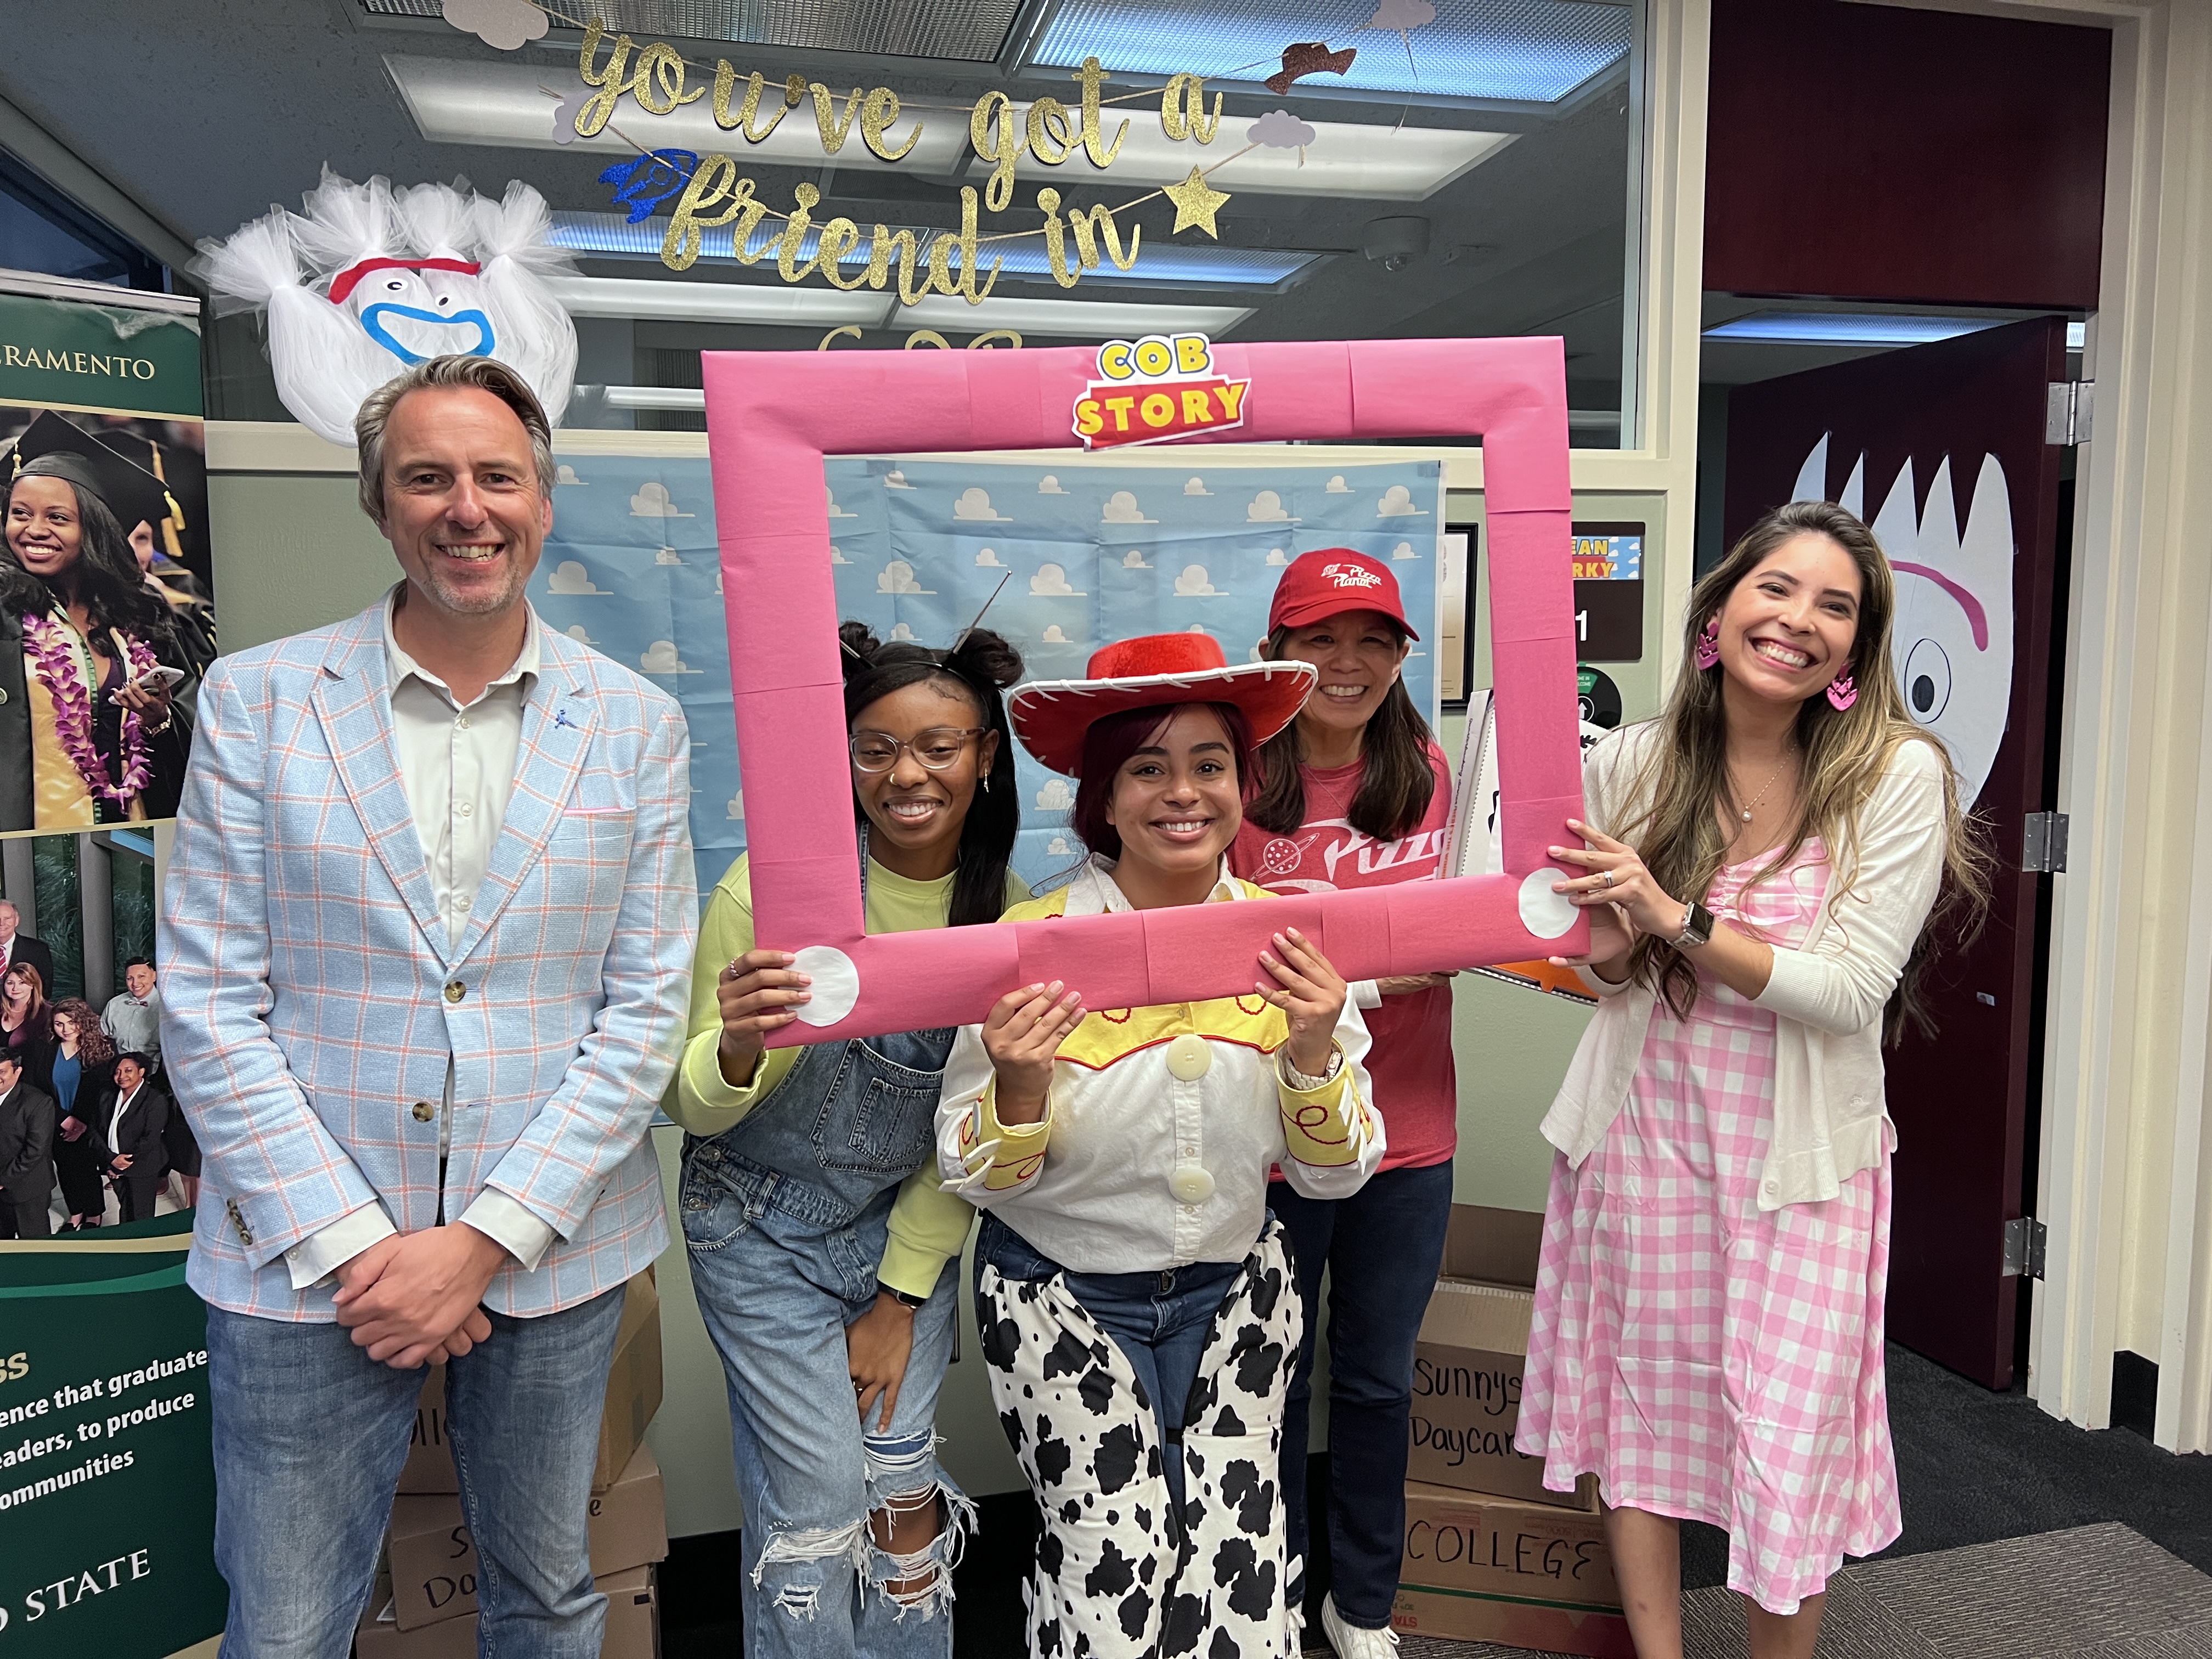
{"x":1483,"y":1569}
{"x":632,"y":1383}
{"x":1469,"y":1541}
{"x":633,"y":1396}
{"x":632,"y":1626}
{"x":1467,"y":1362}
{"x":434,"y":1559}
{"x":1546,"y":1628}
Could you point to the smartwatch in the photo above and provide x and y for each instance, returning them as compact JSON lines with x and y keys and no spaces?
{"x":897,"y":1295}
{"x":1697,"y":929}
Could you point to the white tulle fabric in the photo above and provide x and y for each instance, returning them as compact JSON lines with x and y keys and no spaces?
{"x":327,"y":357}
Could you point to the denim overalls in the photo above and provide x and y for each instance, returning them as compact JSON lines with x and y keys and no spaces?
{"x":785,"y":1217}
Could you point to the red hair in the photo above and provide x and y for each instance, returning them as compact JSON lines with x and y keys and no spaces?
{"x":1109,"y":742}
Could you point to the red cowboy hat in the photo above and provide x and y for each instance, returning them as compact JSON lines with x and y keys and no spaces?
{"x":1157,"y":670}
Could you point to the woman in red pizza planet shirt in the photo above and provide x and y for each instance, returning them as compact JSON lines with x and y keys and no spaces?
{"x":1355,"y":793}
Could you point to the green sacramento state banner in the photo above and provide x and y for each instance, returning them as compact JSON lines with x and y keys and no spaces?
{"x":106,"y":1487}
{"x":106,"y":1474}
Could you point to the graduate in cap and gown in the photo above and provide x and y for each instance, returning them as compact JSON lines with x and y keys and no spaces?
{"x":158,"y":542}
{"x":91,"y":728}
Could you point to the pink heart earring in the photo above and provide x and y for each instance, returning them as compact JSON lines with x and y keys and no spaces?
{"x":1842,"y":690}
{"x":1707,"y":650}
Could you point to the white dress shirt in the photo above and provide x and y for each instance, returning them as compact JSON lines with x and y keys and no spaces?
{"x":456,"y":765}
{"x":115,"y":1117}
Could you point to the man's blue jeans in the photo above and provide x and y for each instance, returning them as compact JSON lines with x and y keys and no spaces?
{"x":1381,"y":1247}
{"x":310,"y":1434}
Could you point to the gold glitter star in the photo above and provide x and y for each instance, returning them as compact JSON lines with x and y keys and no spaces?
{"x":1196,"y":202}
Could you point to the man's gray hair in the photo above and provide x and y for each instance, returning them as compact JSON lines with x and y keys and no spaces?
{"x":486,"y":374}
{"x":12,"y":909}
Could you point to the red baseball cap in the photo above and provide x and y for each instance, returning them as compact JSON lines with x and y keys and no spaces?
{"x":1331,"y":581}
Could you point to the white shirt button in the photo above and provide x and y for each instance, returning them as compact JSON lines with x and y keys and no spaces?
{"x":463,"y":722}
{"x":1188,"y":1060}
{"x":1773,"y":1186}
{"x":1191,"y":1184}
{"x":467,"y":809}
{"x":464,"y":904}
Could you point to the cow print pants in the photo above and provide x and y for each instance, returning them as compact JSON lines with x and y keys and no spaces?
{"x":1119,"y":1574}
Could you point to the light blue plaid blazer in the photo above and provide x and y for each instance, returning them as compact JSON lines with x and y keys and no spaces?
{"x":308,"y":990}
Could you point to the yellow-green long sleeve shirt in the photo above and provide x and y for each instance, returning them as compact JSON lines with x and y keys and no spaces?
{"x":928,"y":1224}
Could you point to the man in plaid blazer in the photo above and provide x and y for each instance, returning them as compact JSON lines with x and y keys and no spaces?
{"x":431,"y":907}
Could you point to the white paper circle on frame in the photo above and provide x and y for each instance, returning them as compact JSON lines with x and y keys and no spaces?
{"x":1544,"y":913}
{"x":836,"y":985}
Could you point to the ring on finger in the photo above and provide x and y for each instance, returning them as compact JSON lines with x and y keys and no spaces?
{"x":1608,"y":877}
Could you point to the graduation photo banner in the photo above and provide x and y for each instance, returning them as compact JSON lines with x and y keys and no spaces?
{"x":773,"y":417}
{"x":100,"y":387}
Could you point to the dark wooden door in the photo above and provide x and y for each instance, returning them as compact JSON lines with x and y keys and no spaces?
{"x":1941,"y":449}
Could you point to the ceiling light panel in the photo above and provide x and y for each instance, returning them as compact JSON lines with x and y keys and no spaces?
{"x":1523,"y":51}
{"x":464,"y":101}
{"x":647,"y":298}
{"x":1841,"y":328}
{"x":467,"y":102}
{"x":961,"y":31}
{"x":1065,"y":319}
{"x":716,"y":302}
{"x":611,"y":236}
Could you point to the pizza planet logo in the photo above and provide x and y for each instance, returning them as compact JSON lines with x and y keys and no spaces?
{"x":1351,"y":575}
{"x":1161,"y":387}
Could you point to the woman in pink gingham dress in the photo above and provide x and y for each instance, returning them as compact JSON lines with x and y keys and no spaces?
{"x":1708,"y":1329}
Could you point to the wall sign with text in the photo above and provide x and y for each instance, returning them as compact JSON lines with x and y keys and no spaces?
{"x":1608,"y":574}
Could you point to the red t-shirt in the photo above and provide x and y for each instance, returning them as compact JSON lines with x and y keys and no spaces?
{"x":1415,"y":1088}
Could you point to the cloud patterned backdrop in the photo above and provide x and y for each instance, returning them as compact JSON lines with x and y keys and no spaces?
{"x":1088,"y":554}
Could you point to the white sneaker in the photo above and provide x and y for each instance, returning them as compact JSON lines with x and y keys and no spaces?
{"x":1353,"y":1643}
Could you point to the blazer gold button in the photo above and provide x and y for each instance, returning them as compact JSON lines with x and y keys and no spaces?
{"x":1188,"y":1058}
{"x":455,"y":991}
{"x":424,"y":1111}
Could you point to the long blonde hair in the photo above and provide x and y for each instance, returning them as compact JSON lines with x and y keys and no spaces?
{"x":1684,"y":776}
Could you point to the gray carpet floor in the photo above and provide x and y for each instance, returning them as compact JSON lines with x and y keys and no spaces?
{"x":2096,"y":1592}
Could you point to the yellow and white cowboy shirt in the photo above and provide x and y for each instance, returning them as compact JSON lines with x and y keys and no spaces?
{"x":1162,"y":1124}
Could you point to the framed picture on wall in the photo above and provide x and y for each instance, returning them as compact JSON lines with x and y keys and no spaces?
{"x":1455,"y":614}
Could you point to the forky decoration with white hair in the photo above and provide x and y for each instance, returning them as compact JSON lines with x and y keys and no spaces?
{"x":370,"y":281}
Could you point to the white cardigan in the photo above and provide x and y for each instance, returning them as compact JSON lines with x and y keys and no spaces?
{"x":1829,"y":1118}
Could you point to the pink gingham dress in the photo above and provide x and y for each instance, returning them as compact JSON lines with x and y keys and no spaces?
{"x":1707,"y":1360}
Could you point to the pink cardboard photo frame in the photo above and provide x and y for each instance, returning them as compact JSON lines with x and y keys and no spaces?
{"x":771,"y":417}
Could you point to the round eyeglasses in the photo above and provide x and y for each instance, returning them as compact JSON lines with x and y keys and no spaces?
{"x":937,"y":749}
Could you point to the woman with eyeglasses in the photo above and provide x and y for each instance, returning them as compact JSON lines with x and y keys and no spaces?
{"x":823,"y":1251}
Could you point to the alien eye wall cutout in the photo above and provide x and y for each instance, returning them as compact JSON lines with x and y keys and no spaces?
{"x":771,"y":417}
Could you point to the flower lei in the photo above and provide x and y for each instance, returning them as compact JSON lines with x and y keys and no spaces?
{"x":54,"y":644}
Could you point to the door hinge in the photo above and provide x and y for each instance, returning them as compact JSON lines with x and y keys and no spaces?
{"x":2025,"y":1240}
{"x":2042,"y":843}
{"x":2066,"y":415}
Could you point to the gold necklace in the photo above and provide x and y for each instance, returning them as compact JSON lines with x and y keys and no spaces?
{"x":1788,"y":755}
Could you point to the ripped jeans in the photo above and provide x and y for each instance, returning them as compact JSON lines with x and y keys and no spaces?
{"x":776,"y":1292}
